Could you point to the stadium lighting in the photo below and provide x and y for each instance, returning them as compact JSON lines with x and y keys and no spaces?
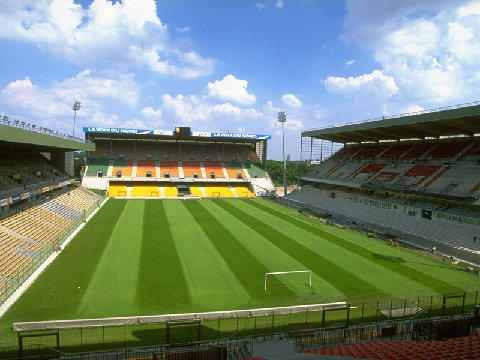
{"x":283,"y":119}
{"x":76,"y":106}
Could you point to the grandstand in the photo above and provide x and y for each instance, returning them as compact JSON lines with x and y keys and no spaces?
{"x":39,"y":205}
{"x":175,"y":271}
{"x":135,"y":163}
{"x":413,"y":176}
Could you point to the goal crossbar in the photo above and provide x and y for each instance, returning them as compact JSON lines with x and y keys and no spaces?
{"x":288,"y":272}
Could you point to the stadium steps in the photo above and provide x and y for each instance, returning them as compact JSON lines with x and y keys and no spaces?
{"x":110,"y":168}
{"x":232,"y":189}
{"x":245,"y":171}
{"x":180,"y":170}
{"x":224,"y":170}
{"x":202,"y":170}
{"x":134,"y":168}
{"x":436,"y":175}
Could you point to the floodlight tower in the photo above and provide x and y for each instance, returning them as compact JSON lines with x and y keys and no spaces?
{"x":76,"y":106}
{"x":283,"y":119}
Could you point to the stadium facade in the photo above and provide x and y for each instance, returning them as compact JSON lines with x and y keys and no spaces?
{"x":176,"y":163}
{"x":414,"y":177}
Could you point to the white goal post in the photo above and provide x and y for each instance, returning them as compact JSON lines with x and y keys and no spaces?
{"x":287,"y":272}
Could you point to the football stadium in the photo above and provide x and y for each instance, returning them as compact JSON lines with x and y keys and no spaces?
{"x":174,"y":244}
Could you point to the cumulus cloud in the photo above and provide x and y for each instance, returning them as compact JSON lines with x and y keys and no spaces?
{"x":230,"y":89}
{"x":429,"y":49}
{"x":121,"y":34}
{"x":151,"y":113}
{"x":279,"y":4}
{"x":374,"y":84}
{"x":291,"y":100}
{"x":193,"y":108}
{"x":50,"y":106}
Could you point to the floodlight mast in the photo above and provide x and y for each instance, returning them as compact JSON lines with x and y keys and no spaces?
{"x":76,"y":106}
{"x":283,"y":119}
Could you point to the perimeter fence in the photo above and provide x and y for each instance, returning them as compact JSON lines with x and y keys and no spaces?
{"x":101,"y":337}
{"x":427,"y":329}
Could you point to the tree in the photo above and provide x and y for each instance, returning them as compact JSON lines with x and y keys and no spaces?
{"x":79,"y":161}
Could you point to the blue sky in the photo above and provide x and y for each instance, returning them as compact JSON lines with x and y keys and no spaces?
{"x":233,"y":64}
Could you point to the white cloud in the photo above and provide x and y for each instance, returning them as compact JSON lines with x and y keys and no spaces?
{"x":291,"y":100}
{"x":279,"y":4}
{"x":183,"y":29}
{"x":101,"y":119}
{"x":230,"y":89}
{"x":349,"y":63}
{"x":260,"y":6}
{"x":151,"y":113}
{"x":193,"y":108}
{"x":121,"y":34}
{"x":134,"y":124}
{"x":430,"y":49}
{"x":50,"y":106}
{"x":374,"y":84}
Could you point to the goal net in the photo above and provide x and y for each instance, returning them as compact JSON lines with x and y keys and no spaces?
{"x":309,"y":272}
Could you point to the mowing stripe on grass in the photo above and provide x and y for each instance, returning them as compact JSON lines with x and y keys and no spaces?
{"x":55,"y":294}
{"x":384,"y":261}
{"x":347,"y":282}
{"x":109,"y":292}
{"x":210,"y":280}
{"x":275,"y":259}
{"x":161,"y":279}
{"x":248,"y":270}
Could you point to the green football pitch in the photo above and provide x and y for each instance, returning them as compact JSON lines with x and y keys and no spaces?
{"x":151,"y":257}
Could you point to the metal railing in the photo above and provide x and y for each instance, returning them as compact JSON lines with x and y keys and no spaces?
{"x":5,"y":120}
{"x":420,"y":112}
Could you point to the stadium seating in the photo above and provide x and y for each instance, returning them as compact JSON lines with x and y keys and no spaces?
{"x":34,"y":229}
{"x":145,"y":191}
{"x":197,"y":191}
{"x":446,"y":150}
{"x":417,"y":151}
{"x":458,"y":235}
{"x":191,"y":152}
{"x":145,"y":149}
{"x":218,"y":191}
{"x":124,"y":167}
{"x":243,"y":191}
{"x":143,"y":166}
{"x":213,"y":167}
{"x":167,"y":152}
{"x":466,"y":347}
{"x":233,"y":169}
{"x":255,"y":170}
{"x":115,"y":190}
{"x":102,"y":150}
{"x":23,"y":170}
{"x":169,"y":166}
{"x":396,"y":151}
{"x":369,"y":152}
{"x":371,"y":168}
{"x":385,"y":176}
{"x":190,"y":168}
{"x":96,"y":165}
{"x":417,"y":174}
{"x":347,"y":152}
{"x":170,"y":191}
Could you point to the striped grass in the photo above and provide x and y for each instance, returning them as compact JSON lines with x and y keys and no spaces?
{"x":146,"y":257}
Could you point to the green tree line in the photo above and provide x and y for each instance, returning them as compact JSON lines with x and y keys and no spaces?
{"x":294,"y":171}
